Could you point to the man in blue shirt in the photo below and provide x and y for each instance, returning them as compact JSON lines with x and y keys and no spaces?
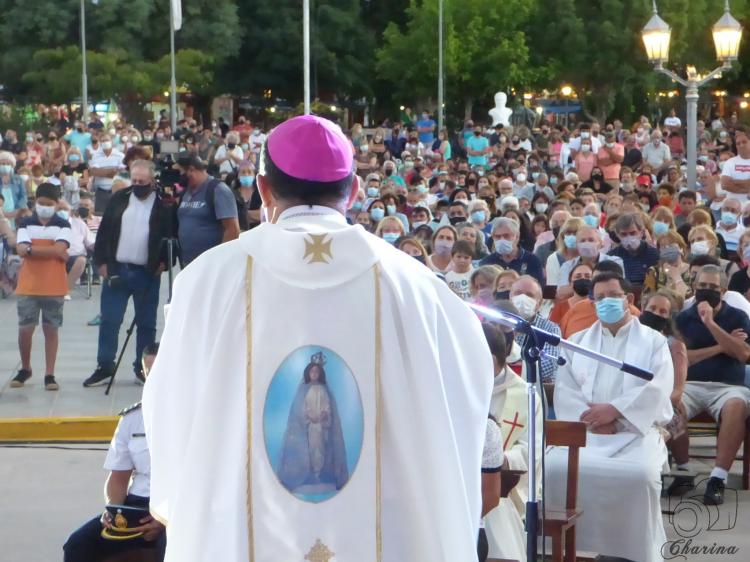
{"x":426,"y":129}
{"x":716,"y":337}
{"x":637,"y":256}
{"x":477,"y":148}
{"x":508,"y":254}
{"x":78,"y":137}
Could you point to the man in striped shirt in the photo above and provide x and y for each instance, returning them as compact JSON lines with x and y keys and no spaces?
{"x":43,"y":241}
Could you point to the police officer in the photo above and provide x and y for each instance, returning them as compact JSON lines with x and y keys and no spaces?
{"x":128,"y":456}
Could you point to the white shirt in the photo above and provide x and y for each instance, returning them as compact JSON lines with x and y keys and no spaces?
{"x":737,"y":168}
{"x":731,"y":237}
{"x":596,"y":144}
{"x":459,"y":283}
{"x":656,"y":156}
{"x":257,"y":138}
{"x":608,"y":382}
{"x":80,"y":237}
{"x":129,"y":451}
{"x":101,"y":160}
{"x":133,"y":244}
{"x":229,"y":165}
{"x":673,"y":122}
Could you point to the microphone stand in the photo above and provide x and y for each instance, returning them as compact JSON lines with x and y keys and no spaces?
{"x":535,"y":340}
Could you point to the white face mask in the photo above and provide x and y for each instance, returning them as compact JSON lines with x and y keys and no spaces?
{"x":521,"y":178}
{"x":699,"y":248}
{"x":44,"y":211}
{"x":107,"y":145}
{"x":541,"y":207}
{"x":586,"y":147}
{"x":525,"y":305}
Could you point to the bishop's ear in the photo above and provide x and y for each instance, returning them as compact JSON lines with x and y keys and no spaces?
{"x":265,"y":191}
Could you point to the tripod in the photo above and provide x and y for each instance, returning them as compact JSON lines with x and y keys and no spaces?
{"x":170,"y":243}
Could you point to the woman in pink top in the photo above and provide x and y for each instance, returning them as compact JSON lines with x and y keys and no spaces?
{"x":585,"y":161}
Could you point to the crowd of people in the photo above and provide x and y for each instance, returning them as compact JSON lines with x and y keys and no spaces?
{"x":591,"y":232}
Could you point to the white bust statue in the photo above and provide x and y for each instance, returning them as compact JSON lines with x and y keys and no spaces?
{"x":500,"y":114}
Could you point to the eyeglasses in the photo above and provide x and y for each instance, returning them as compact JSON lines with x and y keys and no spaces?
{"x":610,"y":296}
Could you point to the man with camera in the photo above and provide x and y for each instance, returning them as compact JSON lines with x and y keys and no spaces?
{"x":131,"y":256}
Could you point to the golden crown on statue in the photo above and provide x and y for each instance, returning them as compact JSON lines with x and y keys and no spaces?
{"x":318,"y":359}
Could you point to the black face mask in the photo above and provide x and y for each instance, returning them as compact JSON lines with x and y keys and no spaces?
{"x":83,"y":212}
{"x":556,"y":231}
{"x":419,"y":258}
{"x":712,"y":297}
{"x":582,"y":287}
{"x":746,"y":221}
{"x":389,"y":172}
{"x":457,"y":220}
{"x":231,"y":146}
{"x":502,"y":295}
{"x":654,"y":321}
{"x":613,"y":236}
{"x":79,"y":129}
{"x":141,"y":191}
{"x":477,"y":133}
{"x":597,"y":177}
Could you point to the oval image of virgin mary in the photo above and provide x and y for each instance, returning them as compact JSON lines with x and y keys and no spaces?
{"x":313,"y":423}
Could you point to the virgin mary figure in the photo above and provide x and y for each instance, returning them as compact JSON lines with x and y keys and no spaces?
{"x":313,"y":457}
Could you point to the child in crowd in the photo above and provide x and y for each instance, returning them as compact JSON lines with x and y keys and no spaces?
{"x":459,"y":277}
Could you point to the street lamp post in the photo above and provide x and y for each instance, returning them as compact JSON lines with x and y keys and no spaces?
{"x":306,"y":54}
{"x":440,"y":65}
{"x":84,"y":72}
{"x":727,"y":33}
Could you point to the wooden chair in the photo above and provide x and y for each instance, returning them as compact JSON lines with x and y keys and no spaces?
{"x":705,"y":419}
{"x":560,"y":524}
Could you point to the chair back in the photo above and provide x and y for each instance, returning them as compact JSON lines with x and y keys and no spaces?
{"x":573,"y":436}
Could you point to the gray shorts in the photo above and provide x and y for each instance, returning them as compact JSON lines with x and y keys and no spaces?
{"x":711,"y":397}
{"x":29,"y":308}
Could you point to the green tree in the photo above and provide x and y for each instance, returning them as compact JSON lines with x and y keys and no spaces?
{"x":485,"y":50}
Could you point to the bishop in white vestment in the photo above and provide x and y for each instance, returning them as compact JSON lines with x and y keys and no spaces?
{"x":240,"y":454}
{"x":620,"y":467}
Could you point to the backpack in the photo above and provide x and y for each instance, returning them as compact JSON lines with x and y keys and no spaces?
{"x":210,"y":192}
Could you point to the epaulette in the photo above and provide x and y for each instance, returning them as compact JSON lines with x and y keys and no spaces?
{"x":129,"y":409}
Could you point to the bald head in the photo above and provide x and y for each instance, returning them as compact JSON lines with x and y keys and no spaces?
{"x":527,"y":285}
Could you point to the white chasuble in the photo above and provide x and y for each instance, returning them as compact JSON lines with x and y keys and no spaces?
{"x":315,"y":398}
{"x":627,"y":525}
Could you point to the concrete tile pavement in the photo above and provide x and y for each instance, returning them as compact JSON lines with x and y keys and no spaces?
{"x":76,"y":360}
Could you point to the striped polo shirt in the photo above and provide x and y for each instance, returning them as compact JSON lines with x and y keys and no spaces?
{"x":42,"y":277}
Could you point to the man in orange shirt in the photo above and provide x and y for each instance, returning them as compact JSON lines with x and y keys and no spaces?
{"x":610,"y":157}
{"x":43,"y":242}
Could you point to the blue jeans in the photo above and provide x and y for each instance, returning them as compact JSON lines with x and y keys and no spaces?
{"x":143,"y":286}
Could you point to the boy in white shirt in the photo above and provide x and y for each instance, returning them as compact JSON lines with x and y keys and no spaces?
{"x":459,"y":275}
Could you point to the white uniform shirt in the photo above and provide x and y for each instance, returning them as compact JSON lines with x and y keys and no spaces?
{"x":133,"y":244}
{"x":129,"y":451}
{"x":737,"y":168}
{"x":101,"y":160}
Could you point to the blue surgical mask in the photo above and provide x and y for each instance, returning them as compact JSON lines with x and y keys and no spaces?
{"x":610,"y":310}
{"x":391,"y":237}
{"x":391,"y":209}
{"x":74,"y":158}
{"x":660,"y":228}
{"x":503,"y":247}
{"x":553,"y":180}
{"x":246,"y":181}
{"x":534,"y":176}
{"x":570,"y":241}
{"x":728,"y":218}
{"x":591,"y":221}
{"x":422,"y":188}
{"x":6,"y":170}
{"x":373,"y":191}
{"x":64,"y":215}
{"x":478,"y":216}
{"x":377,"y":213}
{"x":416,"y":224}
{"x":357,"y":205}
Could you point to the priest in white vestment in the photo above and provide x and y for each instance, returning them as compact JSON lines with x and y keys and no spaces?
{"x":238,"y":472}
{"x":621,"y":465}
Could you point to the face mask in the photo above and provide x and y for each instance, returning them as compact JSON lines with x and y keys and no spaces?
{"x":64,"y":215}
{"x":657,"y":142}
{"x":670,"y":254}
{"x":377,"y":213}
{"x":570,"y":241}
{"x":610,"y":145}
{"x":422,"y":188}
{"x":246,"y":181}
{"x":408,"y":164}
{"x":44,"y":211}
{"x":391,"y":237}
{"x":24,"y":178}
{"x":586,"y":147}
{"x":443,"y":247}
{"x":585,"y":135}
{"x":477,"y":216}
{"x":416,"y":224}
{"x":391,"y":209}
{"x":457,"y":220}
{"x":660,"y":228}
{"x":372,"y":191}
{"x":721,"y":166}
{"x":521,"y":178}
{"x":653,"y":321}
{"x":357,"y":205}
{"x":83,"y":212}
{"x":502,"y":295}
{"x":535,"y":175}
{"x":141,"y":191}
{"x":588,"y":249}
{"x":644,"y":207}
{"x":553,"y":181}
{"x":107,"y":145}
{"x":703,"y":158}
{"x":147,"y":137}
{"x":74,"y":158}
{"x":710,"y":296}
{"x":597,"y":177}
{"x":525,"y":305}
{"x":6,"y":170}
{"x":541,"y":207}
{"x":582,"y":287}
{"x":699,"y":248}
{"x":728,"y":218}
{"x":503,"y":247}
{"x":591,"y":221}
{"x":477,"y":133}
{"x":112,"y":132}
{"x":610,"y":310}
{"x":631,"y":242}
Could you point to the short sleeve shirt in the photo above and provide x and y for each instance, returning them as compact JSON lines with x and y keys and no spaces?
{"x":429,"y":136}
{"x":129,"y":451}
{"x":477,"y":143}
{"x":42,"y":277}
{"x":200,"y":230}
{"x":737,"y":168}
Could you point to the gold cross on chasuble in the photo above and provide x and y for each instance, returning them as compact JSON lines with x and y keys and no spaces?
{"x":319,"y":553}
{"x":317,"y":248}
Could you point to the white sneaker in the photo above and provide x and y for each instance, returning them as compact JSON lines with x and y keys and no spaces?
{"x":68,"y":298}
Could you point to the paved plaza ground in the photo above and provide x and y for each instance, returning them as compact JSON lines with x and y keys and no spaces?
{"x":46,"y":491}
